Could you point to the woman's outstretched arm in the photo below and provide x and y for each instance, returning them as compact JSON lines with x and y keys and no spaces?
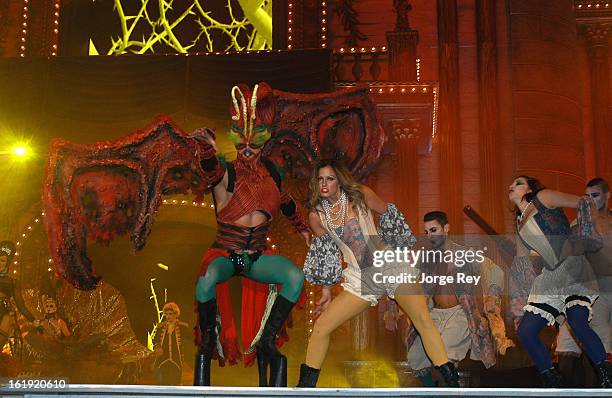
{"x":552,"y":199}
{"x":373,"y":201}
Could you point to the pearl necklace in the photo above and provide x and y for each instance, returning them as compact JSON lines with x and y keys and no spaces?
{"x":335,"y":219}
{"x":520,"y":218}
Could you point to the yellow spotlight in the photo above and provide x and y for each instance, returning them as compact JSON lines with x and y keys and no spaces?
{"x":162,"y":266}
{"x":19,"y":151}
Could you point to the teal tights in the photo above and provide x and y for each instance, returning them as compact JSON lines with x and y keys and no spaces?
{"x":268,"y":268}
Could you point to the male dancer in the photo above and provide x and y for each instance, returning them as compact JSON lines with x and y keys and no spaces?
{"x":456,"y":311}
{"x":568,"y":350}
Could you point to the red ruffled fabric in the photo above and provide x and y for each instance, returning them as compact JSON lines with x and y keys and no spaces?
{"x":254,"y":297}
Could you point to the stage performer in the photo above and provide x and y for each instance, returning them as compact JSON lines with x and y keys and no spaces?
{"x":53,"y":325}
{"x":168,"y":348}
{"x":247,"y":193}
{"x":9,"y":289}
{"x":55,"y":336}
{"x":342,"y":221}
{"x":567,"y":284}
{"x":458,"y":310}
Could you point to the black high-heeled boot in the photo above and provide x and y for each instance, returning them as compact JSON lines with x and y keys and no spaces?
{"x":450,"y":374}
{"x":267,"y":353}
{"x":604,"y":371}
{"x":308,"y":376}
{"x":207,"y":313}
{"x":551,"y":378}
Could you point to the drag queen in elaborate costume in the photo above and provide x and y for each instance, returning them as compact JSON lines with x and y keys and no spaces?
{"x":342,"y":222}
{"x":567,"y":284}
{"x":247,"y":193}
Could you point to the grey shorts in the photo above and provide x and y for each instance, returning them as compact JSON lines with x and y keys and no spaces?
{"x":453,"y":326}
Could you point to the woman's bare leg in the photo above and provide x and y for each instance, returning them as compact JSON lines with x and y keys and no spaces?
{"x":344,"y":307}
{"x":415,"y":306}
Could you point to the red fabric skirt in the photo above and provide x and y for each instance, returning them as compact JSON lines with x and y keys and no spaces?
{"x":254,"y":297}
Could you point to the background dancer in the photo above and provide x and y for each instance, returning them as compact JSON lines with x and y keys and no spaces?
{"x":456,"y":311}
{"x":9,"y":293}
{"x":567,"y":284}
{"x":571,"y":363}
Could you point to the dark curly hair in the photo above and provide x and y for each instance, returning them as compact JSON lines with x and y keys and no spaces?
{"x":534,"y":185}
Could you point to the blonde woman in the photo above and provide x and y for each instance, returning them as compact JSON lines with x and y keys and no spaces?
{"x":341,"y":219}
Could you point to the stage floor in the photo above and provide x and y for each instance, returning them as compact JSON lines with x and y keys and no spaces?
{"x":107,"y":391}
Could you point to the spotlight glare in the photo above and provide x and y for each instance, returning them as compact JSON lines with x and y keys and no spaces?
{"x":20,"y":151}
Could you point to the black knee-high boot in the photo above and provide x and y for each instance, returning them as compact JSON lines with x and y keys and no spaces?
{"x":450,"y":374}
{"x":207,"y":313}
{"x":267,"y":353}
{"x":604,"y":371}
{"x":308,"y":376}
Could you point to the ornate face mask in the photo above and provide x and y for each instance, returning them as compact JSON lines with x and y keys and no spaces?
{"x":252,"y":116}
{"x":50,"y":306}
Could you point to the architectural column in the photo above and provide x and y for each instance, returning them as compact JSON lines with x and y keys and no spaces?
{"x":12,"y":37}
{"x":305,"y":26}
{"x":490,"y":197}
{"x":449,"y":129}
{"x":280,"y":24}
{"x":598,"y":38}
{"x":406,"y":168}
{"x":43,"y":27}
